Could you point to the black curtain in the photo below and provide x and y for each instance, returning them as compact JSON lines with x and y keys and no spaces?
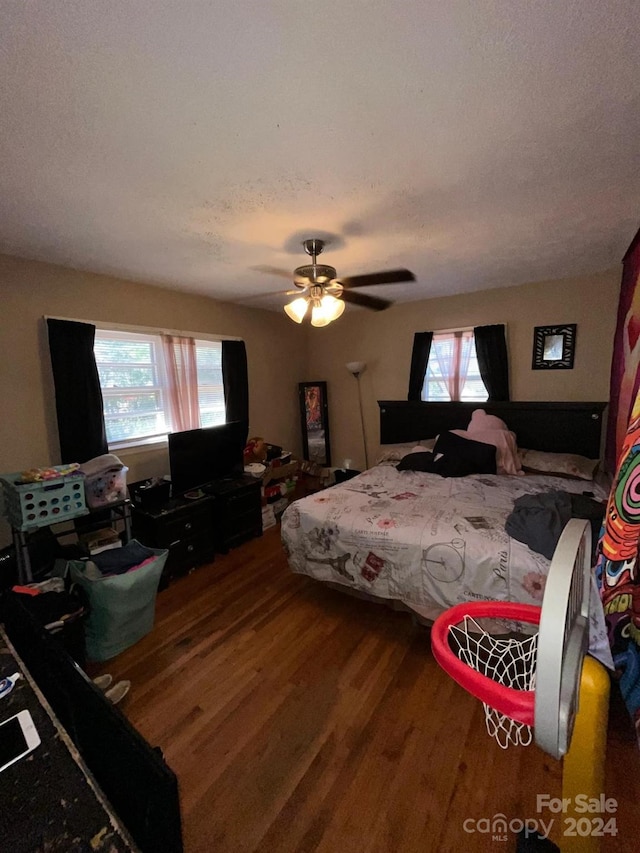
{"x":491,"y":349}
{"x":79,"y":405}
{"x":419,"y":359}
{"x":236,"y":382}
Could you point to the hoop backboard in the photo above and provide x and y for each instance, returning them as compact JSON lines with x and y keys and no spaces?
{"x":563,"y":639}
{"x":562,"y":642}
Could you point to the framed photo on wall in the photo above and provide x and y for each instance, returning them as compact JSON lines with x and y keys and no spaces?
{"x":554,"y":347}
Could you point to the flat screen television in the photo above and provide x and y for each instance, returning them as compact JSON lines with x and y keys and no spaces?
{"x":200,"y":456}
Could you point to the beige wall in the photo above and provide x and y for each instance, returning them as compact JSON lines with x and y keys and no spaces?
{"x":384,"y":341}
{"x":276,"y":351}
{"x":281,"y":354}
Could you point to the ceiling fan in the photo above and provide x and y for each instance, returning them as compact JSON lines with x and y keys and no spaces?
{"x":323,"y":295}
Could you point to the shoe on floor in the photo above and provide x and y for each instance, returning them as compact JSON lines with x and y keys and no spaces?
{"x":103,"y":681}
{"x":118,"y":691}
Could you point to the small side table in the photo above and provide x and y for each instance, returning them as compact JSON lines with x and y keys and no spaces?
{"x":343,"y":474}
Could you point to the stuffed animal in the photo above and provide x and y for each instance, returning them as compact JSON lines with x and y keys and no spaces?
{"x":255,"y":451}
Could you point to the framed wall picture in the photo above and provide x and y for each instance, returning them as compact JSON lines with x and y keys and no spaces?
{"x":314,"y":417}
{"x":554,"y":347}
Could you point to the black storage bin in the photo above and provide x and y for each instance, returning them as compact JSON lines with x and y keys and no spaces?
{"x":150,"y":494}
{"x":48,"y":608}
{"x":343,"y":474}
{"x":274,"y":451}
{"x":8,"y":567}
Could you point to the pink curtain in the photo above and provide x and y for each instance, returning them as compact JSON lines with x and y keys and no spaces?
{"x":464,"y":354}
{"x":444,"y":352}
{"x":182,"y":382}
{"x":453,"y":359}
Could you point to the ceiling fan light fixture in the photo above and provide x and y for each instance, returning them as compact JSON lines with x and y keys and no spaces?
{"x":297,"y":309}
{"x":327,"y":310}
{"x":320,"y":286}
{"x":318,"y":318}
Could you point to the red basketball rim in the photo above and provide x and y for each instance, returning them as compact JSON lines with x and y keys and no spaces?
{"x":516,"y":704}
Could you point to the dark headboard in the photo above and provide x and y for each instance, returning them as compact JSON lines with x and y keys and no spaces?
{"x":553,"y":427}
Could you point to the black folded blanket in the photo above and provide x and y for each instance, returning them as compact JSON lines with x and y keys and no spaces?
{"x":538,"y":520}
{"x":453,"y":456}
{"x":120,"y":560}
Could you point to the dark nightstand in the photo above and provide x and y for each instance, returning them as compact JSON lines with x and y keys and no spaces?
{"x":341,"y":475}
{"x":237,"y":511}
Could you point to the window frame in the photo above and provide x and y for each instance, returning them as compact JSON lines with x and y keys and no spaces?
{"x":143,"y":444}
{"x":451,"y":333}
{"x":158,"y":387}
{"x":204,"y":388}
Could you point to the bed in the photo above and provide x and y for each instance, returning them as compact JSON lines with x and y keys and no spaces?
{"x":428,"y":542}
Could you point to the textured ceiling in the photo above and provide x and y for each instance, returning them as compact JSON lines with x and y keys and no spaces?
{"x":481,"y":143}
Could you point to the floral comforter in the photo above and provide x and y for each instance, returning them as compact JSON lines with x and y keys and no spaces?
{"x":426,"y":541}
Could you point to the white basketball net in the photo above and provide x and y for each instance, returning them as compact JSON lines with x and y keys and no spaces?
{"x":510,"y":662}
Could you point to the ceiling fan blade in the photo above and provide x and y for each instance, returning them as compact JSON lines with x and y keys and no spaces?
{"x":373,"y":302}
{"x":273,"y":271}
{"x":369,"y":279}
{"x":257,"y":296}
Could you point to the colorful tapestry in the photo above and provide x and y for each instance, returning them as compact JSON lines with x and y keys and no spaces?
{"x":617,"y":569}
{"x":625,"y":375}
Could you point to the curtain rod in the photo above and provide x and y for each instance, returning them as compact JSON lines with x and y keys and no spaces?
{"x":149,"y":330}
{"x":465,"y":328}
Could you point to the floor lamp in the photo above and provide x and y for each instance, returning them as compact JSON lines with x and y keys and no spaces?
{"x":356,"y":368}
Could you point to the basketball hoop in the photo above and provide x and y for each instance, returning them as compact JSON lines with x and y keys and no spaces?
{"x":526,"y":668}
{"x":500,"y":670}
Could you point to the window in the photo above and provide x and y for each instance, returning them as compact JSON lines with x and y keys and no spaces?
{"x":133,"y":381}
{"x":452,"y":370}
{"x":210,"y":387}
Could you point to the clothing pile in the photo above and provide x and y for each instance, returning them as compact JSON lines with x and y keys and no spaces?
{"x":59,"y":612}
{"x":538,"y":520}
{"x":49,"y":603}
{"x":53,"y":472}
{"x":117,"y":561}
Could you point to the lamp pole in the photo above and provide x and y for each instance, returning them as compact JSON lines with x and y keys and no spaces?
{"x":356,"y":368}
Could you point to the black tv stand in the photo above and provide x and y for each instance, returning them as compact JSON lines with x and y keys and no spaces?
{"x":195,"y":529}
{"x":214,"y":487}
{"x":237,"y":510}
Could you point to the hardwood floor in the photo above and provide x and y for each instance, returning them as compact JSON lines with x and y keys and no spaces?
{"x":300,"y":719}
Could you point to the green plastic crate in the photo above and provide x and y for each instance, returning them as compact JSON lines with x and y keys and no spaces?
{"x":30,"y":505}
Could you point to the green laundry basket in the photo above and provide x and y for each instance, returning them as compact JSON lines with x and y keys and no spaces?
{"x":122,"y":607}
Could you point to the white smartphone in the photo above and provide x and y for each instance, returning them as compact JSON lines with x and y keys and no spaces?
{"x":18,"y":737}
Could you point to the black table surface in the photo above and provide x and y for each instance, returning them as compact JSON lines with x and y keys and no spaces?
{"x":221,"y":488}
{"x":48,"y":799}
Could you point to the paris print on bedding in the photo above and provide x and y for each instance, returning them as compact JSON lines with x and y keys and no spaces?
{"x":427,"y":541}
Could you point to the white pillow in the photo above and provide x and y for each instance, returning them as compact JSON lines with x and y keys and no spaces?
{"x":396,"y":452}
{"x":570,"y":465}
